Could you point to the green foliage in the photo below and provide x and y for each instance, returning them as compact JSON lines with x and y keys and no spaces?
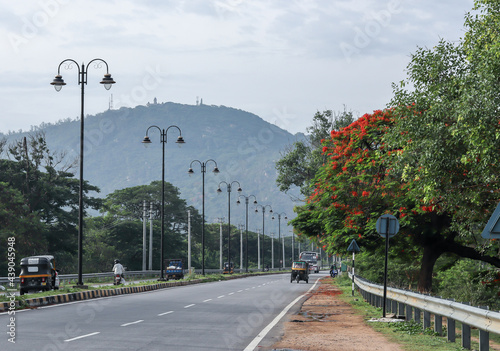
{"x":299,"y":163}
{"x":39,"y":201}
{"x":469,"y":281}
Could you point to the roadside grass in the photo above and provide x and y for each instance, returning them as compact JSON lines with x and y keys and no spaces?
{"x":410,"y":335}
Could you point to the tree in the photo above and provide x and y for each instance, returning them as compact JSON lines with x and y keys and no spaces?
{"x":451,"y":134}
{"x":299,"y":163}
{"x":50,"y":193}
{"x":16,"y":221}
{"x":359,"y":183}
{"x":122,"y":221}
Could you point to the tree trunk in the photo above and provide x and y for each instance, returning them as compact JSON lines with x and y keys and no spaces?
{"x":431,"y":254}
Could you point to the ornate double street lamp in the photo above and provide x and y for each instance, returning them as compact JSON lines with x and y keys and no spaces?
{"x":247,"y":198}
{"x":279,"y":238}
{"x":203,"y":170}
{"x":58,"y":83}
{"x":263,"y":209}
{"x":163,"y":139}
{"x":228,"y":189}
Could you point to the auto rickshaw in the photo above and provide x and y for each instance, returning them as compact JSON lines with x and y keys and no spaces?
{"x":228,"y":268}
{"x":38,"y":273}
{"x":300,"y":271}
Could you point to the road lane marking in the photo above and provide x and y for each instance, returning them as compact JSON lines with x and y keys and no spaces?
{"x":220,"y":297}
{"x":255,"y":342}
{"x":189,"y":305}
{"x":207,"y":300}
{"x":240,"y":291}
{"x":81,"y":336}
{"x":126,"y":324}
{"x":231,"y":293}
{"x":164,"y":313}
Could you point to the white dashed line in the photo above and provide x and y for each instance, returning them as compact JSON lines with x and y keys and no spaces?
{"x":231,"y":293}
{"x":82,"y":336}
{"x":240,"y":291}
{"x":207,"y":300}
{"x":164,"y":313}
{"x":220,"y":297}
{"x":189,"y":305}
{"x":126,"y":324}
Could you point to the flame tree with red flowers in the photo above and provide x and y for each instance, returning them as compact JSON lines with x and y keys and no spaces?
{"x":357,"y":185}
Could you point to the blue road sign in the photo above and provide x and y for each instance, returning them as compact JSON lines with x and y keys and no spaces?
{"x":353,"y":246}
{"x":387,"y":225}
{"x":492,"y":229}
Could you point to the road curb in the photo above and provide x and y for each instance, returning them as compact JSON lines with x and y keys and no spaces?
{"x":92,"y":294}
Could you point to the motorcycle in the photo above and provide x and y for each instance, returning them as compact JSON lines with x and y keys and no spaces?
{"x":118,"y":279}
{"x":333,"y":273}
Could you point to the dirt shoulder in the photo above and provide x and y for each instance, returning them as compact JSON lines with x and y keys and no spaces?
{"x":326,"y":323}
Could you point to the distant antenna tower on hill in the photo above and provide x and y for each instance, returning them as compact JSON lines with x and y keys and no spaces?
{"x":197,"y":100}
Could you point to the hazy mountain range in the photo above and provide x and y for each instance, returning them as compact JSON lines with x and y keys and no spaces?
{"x":244,"y":146}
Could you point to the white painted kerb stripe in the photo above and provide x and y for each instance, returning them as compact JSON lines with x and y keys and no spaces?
{"x":263,"y":333}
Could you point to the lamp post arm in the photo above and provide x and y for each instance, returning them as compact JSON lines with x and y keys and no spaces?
{"x":68,"y":63}
{"x":172,"y":126}
{"x":98,"y":64}
{"x":153,"y":126}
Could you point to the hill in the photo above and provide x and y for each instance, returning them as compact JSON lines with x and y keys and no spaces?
{"x":244,"y":146}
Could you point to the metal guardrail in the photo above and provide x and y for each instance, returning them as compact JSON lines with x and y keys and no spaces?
{"x":70,"y":277}
{"x":402,"y":302}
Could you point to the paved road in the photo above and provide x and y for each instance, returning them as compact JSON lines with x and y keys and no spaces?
{"x":226,"y":315}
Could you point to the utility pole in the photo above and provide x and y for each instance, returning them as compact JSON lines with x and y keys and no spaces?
{"x":220,"y":220}
{"x":189,"y":241}
{"x":151,"y":236}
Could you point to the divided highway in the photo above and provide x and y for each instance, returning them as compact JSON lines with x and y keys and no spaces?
{"x":225,"y":315}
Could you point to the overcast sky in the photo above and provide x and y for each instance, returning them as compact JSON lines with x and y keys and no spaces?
{"x":282,"y":60}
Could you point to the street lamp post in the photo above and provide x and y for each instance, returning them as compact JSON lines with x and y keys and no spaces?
{"x":247,"y":198}
{"x":228,"y":189}
{"x":58,"y":83}
{"x":163,"y":139}
{"x":263,"y":208}
{"x":279,"y":236}
{"x":203,"y":166}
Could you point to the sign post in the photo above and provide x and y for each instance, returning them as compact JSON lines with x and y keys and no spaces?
{"x":387,"y":226}
{"x":353,"y":247}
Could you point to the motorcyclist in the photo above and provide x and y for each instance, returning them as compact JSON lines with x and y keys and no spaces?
{"x":118,"y":269}
{"x":333,"y":270}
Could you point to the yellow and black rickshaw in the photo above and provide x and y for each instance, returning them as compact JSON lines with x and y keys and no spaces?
{"x":300,"y":271}
{"x":38,"y":273}
{"x":228,"y":268}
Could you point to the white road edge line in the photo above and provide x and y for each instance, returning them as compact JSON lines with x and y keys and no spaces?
{"x":82,"y":336}
{"x":255,"y":342}
{"x":127,"y":324}
{"x":164,"y":313}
